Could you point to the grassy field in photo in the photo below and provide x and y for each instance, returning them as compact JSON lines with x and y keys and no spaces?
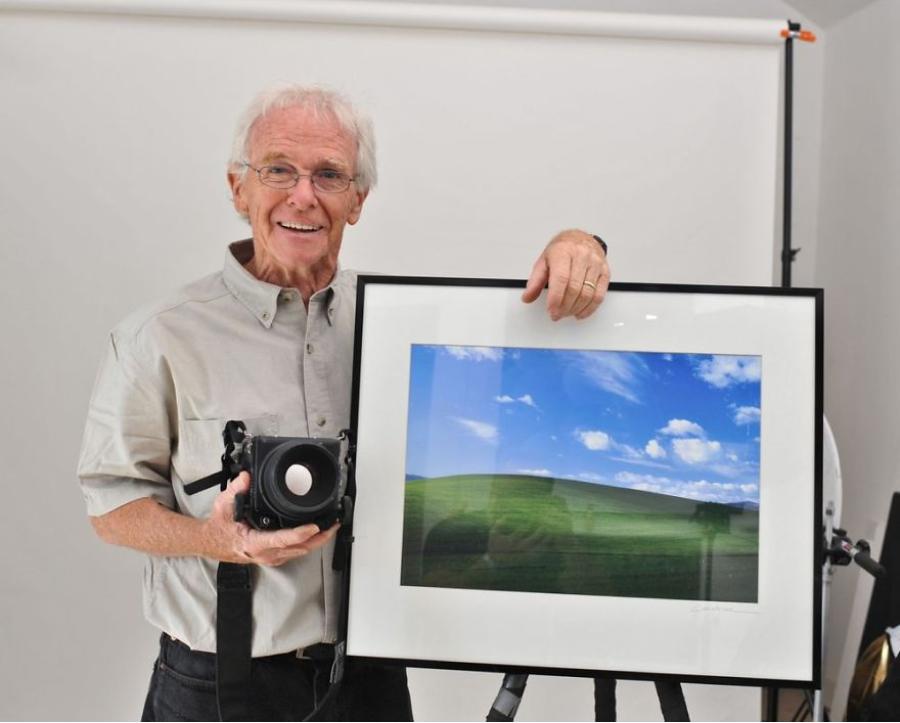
{"x":527,"y":533}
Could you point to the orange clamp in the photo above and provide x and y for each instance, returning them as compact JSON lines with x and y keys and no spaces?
{"x":806,"y":35}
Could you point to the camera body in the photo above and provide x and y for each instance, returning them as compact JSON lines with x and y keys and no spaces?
{"x":293,"y":480}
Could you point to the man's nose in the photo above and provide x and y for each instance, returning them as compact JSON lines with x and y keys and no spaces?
{"x":303,"y":195}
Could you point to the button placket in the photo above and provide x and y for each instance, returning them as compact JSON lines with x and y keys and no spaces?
{"x":314,"y":415}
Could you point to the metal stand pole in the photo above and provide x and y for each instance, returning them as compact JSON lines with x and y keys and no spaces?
{"x":787,"y":253}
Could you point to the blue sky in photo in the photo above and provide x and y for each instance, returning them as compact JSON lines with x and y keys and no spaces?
{"x":678,"y":424}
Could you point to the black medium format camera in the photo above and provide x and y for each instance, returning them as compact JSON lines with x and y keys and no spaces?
{"x":293,"y":480}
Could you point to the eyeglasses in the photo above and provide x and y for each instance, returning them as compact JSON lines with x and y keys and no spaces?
{"x":284,"y":177}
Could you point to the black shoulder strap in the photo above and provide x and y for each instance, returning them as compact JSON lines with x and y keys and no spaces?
{"x":234,"y":620}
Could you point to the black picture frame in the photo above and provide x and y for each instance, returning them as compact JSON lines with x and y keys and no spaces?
{"x":774,"y":641}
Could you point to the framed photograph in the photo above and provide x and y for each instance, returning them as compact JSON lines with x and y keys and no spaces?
{"x":637,"y":494}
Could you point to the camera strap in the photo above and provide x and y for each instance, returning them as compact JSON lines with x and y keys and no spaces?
{"x":232,"y":435}
{"x":234,"y":618}
{"x":234,"y":607}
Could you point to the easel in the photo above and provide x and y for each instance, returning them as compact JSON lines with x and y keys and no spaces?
{"x":671,"y":699}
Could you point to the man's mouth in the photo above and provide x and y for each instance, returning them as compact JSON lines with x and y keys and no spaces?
{"x":300,"y":227}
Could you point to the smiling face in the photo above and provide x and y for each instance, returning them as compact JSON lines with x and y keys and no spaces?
{"x":297,"y":232}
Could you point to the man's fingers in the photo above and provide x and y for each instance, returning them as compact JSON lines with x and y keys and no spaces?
{"x":279,"y":546}
{"x":598,"y":293}
{"x":223,"y":507}
{"x":586,"y":296}
{"x":536,"y":282}
{"x":318,"y":540}
{"x":591,"y":306}
{"x":241,"y":483}
{"x":578,"y":275}
{"x":558,"y":290}
{"x":291,"y":536}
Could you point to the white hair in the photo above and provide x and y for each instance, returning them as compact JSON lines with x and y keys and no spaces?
{"x":322,"y":102}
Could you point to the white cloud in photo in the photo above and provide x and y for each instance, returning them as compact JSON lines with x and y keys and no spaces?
{"x":599,"y":441}
{"x":724,"y":492}
{"x":525,"y":399}
{"x":682,"y":428}
{"x":482,"y":430}
{"x":725,"y":470}
{"x":655,"y":450}
{"x":746,"y":415}
{"x":475,"y":353}
{"x":641,"y":462}
{"x":614,"y":372}
{"x":696,"y":451}
{"x":542,"y":472}
{"x":633,"y":455}
{"x":629,"y":452}
{"x":725,"y":371}
{"x":594,"y":439}
{"x":629,"y":478}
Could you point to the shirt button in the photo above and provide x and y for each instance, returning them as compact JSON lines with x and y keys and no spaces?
{"x":265,"y":316}
{"x":309,"y":348}
{"x":321,"y":421}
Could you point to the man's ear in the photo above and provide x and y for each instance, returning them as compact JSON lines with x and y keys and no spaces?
{"x":235,"y":183}
{"x":356,"y":211}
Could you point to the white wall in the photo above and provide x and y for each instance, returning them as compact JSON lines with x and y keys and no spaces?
{"x":53,"y":631}
{"x":857,"y":263}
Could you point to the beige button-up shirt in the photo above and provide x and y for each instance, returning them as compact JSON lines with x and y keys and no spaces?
{"x":228,"y":346}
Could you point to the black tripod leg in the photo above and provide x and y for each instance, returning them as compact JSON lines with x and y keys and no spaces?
{"x":604,"y":699}
{"x":507,"y":701}
{"x":671,"y":700}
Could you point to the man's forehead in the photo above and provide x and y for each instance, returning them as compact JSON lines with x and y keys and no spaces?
{"x":285,"y":131}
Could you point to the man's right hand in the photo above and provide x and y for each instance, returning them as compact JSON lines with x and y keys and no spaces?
{"x":242,"y":544}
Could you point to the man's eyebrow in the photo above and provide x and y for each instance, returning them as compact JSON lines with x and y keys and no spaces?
{"x":337,"y":162}
{"x":274,"y":156}
{"x":269,"y":157}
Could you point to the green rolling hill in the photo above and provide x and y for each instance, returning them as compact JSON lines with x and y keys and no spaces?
{"x":535,"y":534}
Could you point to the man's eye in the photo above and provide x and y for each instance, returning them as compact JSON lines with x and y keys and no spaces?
{"x":279,"y":170}
{"x":329,"y":174}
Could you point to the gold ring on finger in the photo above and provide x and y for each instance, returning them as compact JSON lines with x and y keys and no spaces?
{"x":591,"y":284}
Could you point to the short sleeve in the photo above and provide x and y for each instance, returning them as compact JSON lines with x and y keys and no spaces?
{"x":127,"y":445}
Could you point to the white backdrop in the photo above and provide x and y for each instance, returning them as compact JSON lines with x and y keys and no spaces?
{"x":495,"y":130}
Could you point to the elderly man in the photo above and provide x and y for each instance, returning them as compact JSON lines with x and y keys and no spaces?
{"x":268,"y":340}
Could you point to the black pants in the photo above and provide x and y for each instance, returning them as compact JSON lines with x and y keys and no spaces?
{"x":283,"y":688}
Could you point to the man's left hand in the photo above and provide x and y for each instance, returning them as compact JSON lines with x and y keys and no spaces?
{"x":574,"y":265}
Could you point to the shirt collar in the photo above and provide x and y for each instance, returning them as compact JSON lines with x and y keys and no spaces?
{"x":261,"y":297}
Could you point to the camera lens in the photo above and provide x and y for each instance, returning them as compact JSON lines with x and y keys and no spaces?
{"x":299,"y":480}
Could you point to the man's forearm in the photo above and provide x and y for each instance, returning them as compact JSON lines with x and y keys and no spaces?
{"x":147,"y":526}
{"x":150,"y":527}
